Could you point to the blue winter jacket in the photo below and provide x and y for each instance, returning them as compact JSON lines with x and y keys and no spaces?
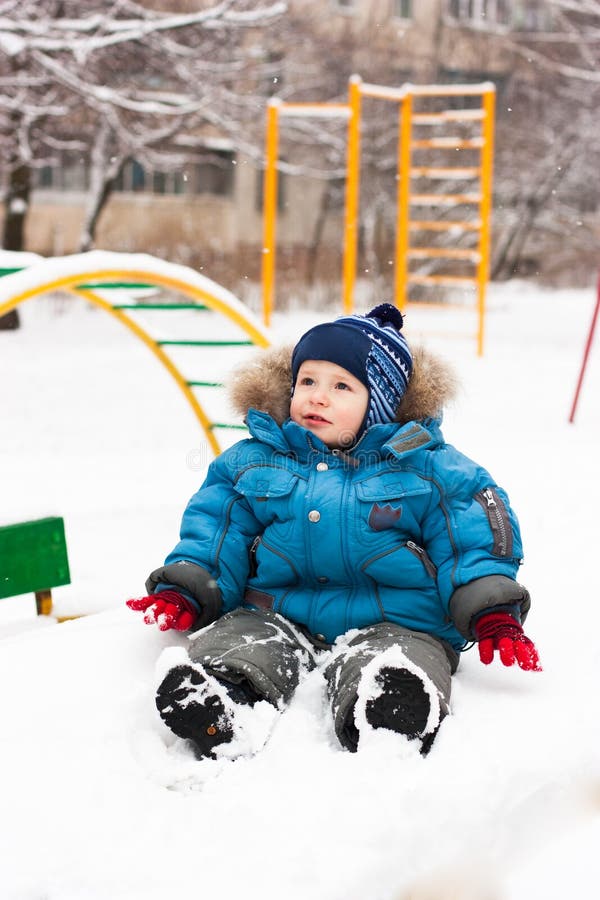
{"x":334,"y":542}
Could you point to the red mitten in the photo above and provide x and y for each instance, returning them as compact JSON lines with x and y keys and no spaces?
{"x":499,"y":631}
{"x":167,"y":609}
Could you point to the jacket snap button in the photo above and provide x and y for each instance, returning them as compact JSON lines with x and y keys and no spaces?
{"x":323,"y":579}
{"x":322,"y":467}
{"x":321,"y":637}
{"x":314,"y":515}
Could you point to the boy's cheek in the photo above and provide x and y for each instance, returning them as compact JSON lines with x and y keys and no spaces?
{"x":297,"y":404}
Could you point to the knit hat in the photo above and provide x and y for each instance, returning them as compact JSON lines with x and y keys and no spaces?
{"x":369,"y":347}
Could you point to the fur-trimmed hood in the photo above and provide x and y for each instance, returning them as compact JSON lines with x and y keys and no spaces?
{"x":265,"y":382}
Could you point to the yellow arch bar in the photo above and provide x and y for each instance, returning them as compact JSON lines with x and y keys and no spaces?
{"x":144,"y":275}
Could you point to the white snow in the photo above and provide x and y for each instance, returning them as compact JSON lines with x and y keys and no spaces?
{"x":15,"y":259}
{"x":17,"y":206}
{"x":100,"y":802}
{"x":11,"y":44}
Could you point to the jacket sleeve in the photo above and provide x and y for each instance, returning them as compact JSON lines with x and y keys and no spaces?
{"x":492,"y":592}
{"x":472,"y":535}
{"x":211,"y":561}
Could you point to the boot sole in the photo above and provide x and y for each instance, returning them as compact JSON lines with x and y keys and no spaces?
{"x":205,"y":724}
{"x":403,"y":705}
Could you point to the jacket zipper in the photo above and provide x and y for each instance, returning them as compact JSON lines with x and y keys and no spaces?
{"x":252,"y":554}
{"x":424,"y":557}
{"x":415,"y":549}
{"x":498,"y":519}
{"x":253,"y":570}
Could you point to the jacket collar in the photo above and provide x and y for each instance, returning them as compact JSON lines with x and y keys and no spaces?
{"x":378,"y":441}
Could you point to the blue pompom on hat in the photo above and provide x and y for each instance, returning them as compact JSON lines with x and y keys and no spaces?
{"x":372,"y":349}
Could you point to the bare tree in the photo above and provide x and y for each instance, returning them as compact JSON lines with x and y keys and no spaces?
{"x":117,"y":70}
{"x":119,"y":78}
{"x":547,"y":160}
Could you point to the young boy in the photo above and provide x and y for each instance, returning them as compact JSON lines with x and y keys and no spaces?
{"x":346,"y":534}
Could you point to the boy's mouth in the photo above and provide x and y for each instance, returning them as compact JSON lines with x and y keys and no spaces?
{"x":313,"y":417}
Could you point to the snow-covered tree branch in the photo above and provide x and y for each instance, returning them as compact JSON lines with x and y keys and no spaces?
{"x":120,"y":78}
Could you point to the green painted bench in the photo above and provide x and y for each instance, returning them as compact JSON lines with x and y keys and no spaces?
{"x":33,"y":559}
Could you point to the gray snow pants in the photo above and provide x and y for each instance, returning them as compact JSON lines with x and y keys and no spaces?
{"x":435,"y":658}
{"x":271,"y":654}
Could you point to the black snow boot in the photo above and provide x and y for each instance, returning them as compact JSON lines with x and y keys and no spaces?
{"x":200,"y":707}
{"x":403,"y":706}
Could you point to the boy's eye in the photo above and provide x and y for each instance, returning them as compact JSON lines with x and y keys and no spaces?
{"x":342,"y":386}
{"x":306,"y":380}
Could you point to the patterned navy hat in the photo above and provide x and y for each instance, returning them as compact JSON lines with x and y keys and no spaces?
{"x":372,"y":349}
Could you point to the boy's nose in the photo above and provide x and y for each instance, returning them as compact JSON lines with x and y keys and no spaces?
{"x":319,"y":396}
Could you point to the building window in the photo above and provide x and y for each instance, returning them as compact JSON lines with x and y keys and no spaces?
{"x":402,"y":9}
{"x":213,"y":174}
{"x":345,"y":5}
{"x":131,"y":178}
{"x":523,"y":15}
{"x":160,"y":183}
{"x":164,"y":183}
{"x":43,"y":178}
{"x":532,"y":15}
{"x":503,"y":12}
{"x":75,"y":175}
{"x":481,"y":12}
{"x":69,"y":172}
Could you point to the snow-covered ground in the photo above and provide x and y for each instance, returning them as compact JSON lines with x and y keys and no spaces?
{"x":99,"y":802}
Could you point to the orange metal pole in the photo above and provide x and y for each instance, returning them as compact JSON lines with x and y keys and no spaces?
{"x":487,"y":160}
{"x":270,"y":209}
{"x":403,"y":201}
{"x":352,"y":189}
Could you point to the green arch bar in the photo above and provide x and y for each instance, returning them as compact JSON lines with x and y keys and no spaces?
{"x":205,"y":343}
{"x":158,"y":306}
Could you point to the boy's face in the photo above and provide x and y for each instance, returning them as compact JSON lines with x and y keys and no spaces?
{"x":329,"y":402}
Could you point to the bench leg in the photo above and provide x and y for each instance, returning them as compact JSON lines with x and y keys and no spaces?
{"x":43,"y":602}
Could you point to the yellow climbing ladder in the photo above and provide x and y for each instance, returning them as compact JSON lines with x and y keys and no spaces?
{"x":444,"y":186}
{"x":446,"y":154}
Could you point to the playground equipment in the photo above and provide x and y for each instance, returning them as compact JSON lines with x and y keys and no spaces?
{"x":418,"y":159}
{"x":586,"y":355}
{"x":276,"y":109}
{"x":99,"y":276}
{"x":33,"y":560}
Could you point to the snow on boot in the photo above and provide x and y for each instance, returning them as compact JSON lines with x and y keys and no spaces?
{"x":199,"y":707}
{"x":404,"y":705}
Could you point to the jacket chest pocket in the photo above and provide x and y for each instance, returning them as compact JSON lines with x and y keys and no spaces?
{"x":392,"y":500}
{"x":270,"y":492}
{"x":393,"y":504}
